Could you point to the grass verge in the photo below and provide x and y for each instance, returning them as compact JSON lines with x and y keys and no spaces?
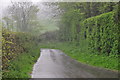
{"x":103,"y":61}
{"x":21,"y":66}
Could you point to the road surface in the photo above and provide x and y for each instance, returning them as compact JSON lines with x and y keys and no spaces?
{"x":53,"y":63}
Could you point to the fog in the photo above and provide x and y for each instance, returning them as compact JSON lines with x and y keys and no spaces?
{"x":48,"y":15}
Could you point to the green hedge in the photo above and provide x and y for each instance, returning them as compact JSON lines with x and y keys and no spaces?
{"x":101,"y":34}
{"x":19,"y":52}
{"x":14,"y":44}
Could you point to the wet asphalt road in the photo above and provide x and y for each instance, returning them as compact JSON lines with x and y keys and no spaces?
{"x":55,"y":64}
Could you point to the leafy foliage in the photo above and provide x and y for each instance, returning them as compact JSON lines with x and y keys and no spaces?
{"x":102,"y":34}
{"x":96,"y":31}
{"x":90,"y":31}
{"x":17,"y":49}
{"x":21,"y":67}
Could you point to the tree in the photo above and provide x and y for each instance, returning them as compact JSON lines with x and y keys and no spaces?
{"x":23,"y":14}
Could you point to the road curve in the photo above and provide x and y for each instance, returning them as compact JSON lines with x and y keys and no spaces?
{"x":53,"y":63}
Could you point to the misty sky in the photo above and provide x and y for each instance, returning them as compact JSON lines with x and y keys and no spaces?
{"x":5,"y":3}
{"x":45,"y":13}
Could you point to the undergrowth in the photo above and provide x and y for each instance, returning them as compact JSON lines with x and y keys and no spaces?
{"x":19,"y":53}
{"x":21,"y":67}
